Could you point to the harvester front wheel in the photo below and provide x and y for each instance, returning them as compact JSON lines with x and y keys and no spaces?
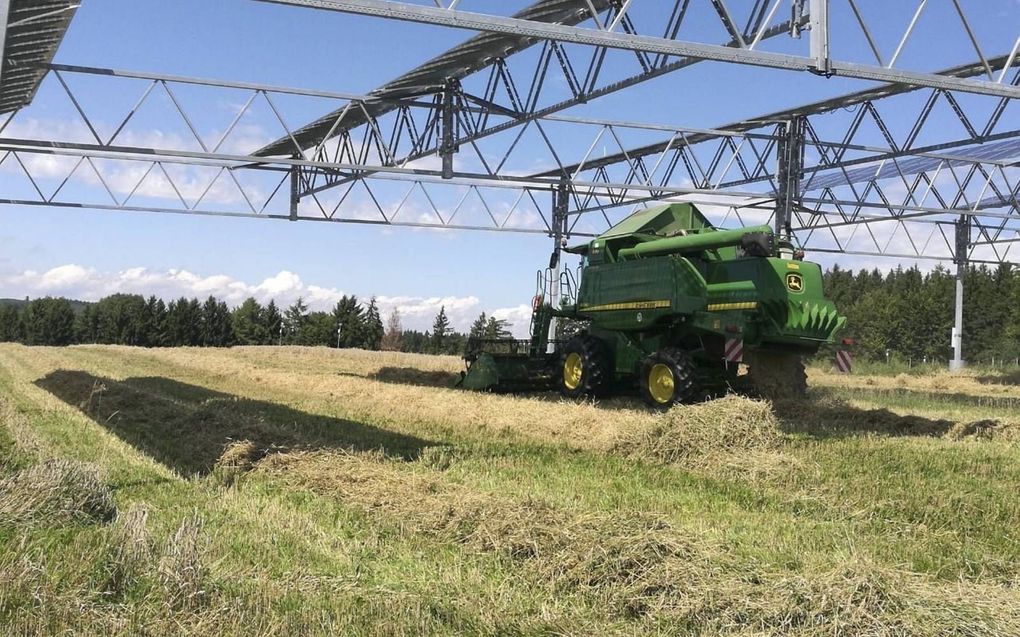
{"x":584,"y":367}
{"x":667,"y":378}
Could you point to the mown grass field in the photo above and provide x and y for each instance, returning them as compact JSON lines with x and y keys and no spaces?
{"x":284,"y":491}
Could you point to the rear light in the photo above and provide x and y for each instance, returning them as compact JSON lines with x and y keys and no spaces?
{"x":733,"y":329}
{"x":848,"y":341}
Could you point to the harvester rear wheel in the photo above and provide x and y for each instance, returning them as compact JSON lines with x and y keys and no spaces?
{"x":667,"y":378}
{"x":776,"y":375}
{"x":584,"y":367}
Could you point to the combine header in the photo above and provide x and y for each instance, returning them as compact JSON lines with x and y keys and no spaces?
{"x":672,"y":305}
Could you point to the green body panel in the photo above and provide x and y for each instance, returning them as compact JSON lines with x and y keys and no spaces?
{"x":664,"y":277}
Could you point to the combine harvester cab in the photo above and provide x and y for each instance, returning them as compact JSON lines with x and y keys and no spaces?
{"x":674,"y":305}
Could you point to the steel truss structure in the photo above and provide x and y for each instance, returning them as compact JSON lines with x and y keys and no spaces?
{"x":925,"y":165}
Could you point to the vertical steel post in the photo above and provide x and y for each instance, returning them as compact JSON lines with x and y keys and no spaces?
{"x":295,"y":191}
{"x":561,"y":205}
{"x":790,"y":151}
{"x":960,"y":257}
{"x":5,"y":8}
{"x":449,"y":147}
{"x":820,"y":36}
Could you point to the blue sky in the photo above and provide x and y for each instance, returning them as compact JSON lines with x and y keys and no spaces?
{"x":88,"y":253}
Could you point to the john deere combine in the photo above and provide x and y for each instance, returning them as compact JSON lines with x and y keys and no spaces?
{"x":671,"y":305}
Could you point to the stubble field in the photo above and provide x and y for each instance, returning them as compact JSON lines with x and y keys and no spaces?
{"x":280,"y":491}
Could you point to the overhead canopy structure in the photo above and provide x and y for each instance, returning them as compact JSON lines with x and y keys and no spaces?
{"x":824,"y":106}
{"x":905,"y":162}
{"x":430,"y":77}
{"x":32,"y":32}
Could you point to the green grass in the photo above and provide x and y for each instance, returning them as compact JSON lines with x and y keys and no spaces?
{"x":352,"y":521}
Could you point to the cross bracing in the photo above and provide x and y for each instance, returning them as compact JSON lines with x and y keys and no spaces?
{"x":482,"y":137}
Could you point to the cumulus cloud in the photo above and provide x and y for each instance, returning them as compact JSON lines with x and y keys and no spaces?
{"x":89,"y":284}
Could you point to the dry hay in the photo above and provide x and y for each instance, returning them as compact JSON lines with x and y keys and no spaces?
{"x":332,"y":381}
{"x":56,"y":492}
{"x":693,"y":434}
{"x":237,"y":459}
{"x":183,"y":572}
{"x":973,"y":382}
{"x":616,"y":558}
{"x":639,"y":567}
{"x":986,"y":429}
{"x":412,"y":376}
{"x":130,"y":551}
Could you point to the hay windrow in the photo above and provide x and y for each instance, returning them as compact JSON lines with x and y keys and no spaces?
{"x":56,"y":492}
{"x":638,"y":567}
{"x":985,"y":429}
{"x":618,"y":559}
{"x":237,"y":459}
{"x":695,"y":434}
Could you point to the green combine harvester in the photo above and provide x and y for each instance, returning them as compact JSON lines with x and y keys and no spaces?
{"x":673,"y":306}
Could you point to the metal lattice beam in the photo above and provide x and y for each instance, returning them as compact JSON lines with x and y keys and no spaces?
{"x":818,"y":62}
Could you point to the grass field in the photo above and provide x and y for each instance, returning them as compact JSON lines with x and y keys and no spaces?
{"x":287,"y":491}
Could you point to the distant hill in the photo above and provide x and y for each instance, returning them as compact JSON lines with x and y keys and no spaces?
{"x":78,"y":306}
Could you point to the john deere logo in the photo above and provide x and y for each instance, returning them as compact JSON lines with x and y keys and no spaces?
{"x":795,"y":282}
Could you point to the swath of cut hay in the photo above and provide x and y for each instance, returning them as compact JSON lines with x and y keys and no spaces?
{"x":974,"y":382}
{"x":55,"y":492}
{"x":405,"y":408}
{"x":614,"y":558}
{"x":830,"y":413}
{"x":639,"y":567}
{"x":693,"y":434}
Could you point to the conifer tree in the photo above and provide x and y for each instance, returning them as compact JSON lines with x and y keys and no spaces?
{"x":440,"y":331}
{"x":373,"y":327}
{"x":272,"y":323}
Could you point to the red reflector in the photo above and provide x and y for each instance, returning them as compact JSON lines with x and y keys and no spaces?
{"x":733,"y":329}
{"x":848,"y":341}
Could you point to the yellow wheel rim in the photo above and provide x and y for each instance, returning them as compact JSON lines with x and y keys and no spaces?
{"x":661,"y":383}
{"x":573,"y":367}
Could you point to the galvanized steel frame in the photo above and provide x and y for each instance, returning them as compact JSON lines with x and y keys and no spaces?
{"x":441,"y":120}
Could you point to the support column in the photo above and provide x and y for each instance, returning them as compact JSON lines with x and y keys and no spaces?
{"x":561,"y":205}
{"x":790,"y":150}
{"x":295,"y":190}
{"x":449,"y":146}
{"x":820,"y":37}
{"x":5,"y":7}
{"x":960,"y":257}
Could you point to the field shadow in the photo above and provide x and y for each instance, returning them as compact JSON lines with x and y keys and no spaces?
{"x":933,"y":398}
{"x":417,"y":377}
{"x":826,"y":417}
{"x":187,"y":427}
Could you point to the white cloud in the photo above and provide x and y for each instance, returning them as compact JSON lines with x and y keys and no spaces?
{"x":89,"y":284}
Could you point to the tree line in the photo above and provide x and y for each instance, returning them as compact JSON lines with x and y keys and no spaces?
{"x":904,"y":314}
{"x":907,"y":315}
{"x":131,"y":319}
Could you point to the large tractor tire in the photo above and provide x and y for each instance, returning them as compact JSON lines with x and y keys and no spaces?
{"x":584,"y":367}
{"x":668,"y":377}
{"x":777,"y":375}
